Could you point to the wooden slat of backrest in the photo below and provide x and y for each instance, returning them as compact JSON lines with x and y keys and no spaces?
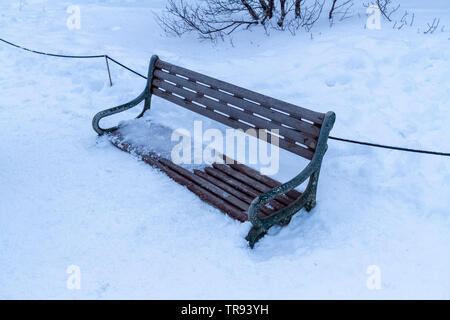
{"x":273,"y":115}
{"x":235,"y":113}
{"x":297,"y":149}
{"x":251,"y":95}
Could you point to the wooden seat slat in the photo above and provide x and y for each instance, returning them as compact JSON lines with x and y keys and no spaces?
{"x":206,"y":185}
{"x":293,"y":194}
{"x":207,"y":196}
{"x":240,"y":185}
{"x":247,"y":199}
{"x":249,"y":181}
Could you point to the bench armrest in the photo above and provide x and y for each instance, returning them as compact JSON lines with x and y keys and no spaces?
{"x":110,"y":112}
{"x":274,"y":193}
{"x":311,"y":169}
{"x":145,"y":95}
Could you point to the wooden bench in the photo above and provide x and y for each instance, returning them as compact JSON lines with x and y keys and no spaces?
{"x":236,"y":189}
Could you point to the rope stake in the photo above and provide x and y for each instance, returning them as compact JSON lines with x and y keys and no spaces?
{"x":109,"y":72}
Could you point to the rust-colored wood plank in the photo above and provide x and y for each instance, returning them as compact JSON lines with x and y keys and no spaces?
{"x":202,"y":193}
{"x":301,"y":151}
{"x":240,"y":186}
{"x":205,"y":195}
{"x":232,"y":182}
{"x":251,"y":95}
{"x":235,"y":113}
{"x":250,"y":181}
{"x":226,"y":196}
{"x":173,"y":171}
{"x":293,"y":194}
{"x":245,"y":104}
{"x":244,"y":197}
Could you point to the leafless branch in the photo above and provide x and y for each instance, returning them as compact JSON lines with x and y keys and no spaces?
{"x":330,"y":14}
{"x":433,"y":26}
{"x":283,"y":13}
{"x":385,"y":8}
{"x":298,"y":8}
{"x":250,"y":10}
{"x":215,"y":19}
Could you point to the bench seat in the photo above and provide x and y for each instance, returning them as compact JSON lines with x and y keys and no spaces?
{"x":230,"y":186}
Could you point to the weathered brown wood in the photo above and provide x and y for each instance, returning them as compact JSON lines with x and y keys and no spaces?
{"x":207,"y":196}
{"x":232,"y":182}
{"x":293,"y":194}
{"x":235,"y":183}
{"x":241,"y":177}
{"x":206,"y":185}
{"x":244,"y":197}
{"x":251,"y":95}
{"x":239,"y":102}
{"x":265,"y":210}
{"x":230,"y":190}
{"x":250,"y":181}
{"x":238,"y":114}
{"x":306,"y":153}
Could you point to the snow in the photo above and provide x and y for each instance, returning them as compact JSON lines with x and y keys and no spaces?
{"x":71,"y":198}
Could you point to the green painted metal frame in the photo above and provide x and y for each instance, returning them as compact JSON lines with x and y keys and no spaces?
{"x":260,"y":225}
{"x":308,"y":198}
{"x":145,"y":95}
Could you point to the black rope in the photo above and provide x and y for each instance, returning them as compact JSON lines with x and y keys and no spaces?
{"x":53,"y":54}
{"x":144,"y":77}
{"x":77,"y":57}
{"x":390,"y":147}
{"x":125,"y":67}
{"x":64,"y":56}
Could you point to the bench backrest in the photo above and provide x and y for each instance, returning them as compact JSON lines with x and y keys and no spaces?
{"x":239,"y":108}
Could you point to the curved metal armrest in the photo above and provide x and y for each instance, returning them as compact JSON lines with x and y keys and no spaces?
{"x":268,"y":196}
{"x":145,"y":95}
{"x":118,"y":109}
{"x":310,"y":169}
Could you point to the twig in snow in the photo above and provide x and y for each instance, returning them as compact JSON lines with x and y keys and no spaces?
{"x":432,"y":28}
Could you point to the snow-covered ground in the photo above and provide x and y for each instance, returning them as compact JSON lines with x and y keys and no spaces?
{"x":68,"y":197}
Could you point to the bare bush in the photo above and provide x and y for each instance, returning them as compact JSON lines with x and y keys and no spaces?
{"x":215,"y":19}
{"x":433,"y":26}
{"x":385,"y":6}
{"x":340,"y":8}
